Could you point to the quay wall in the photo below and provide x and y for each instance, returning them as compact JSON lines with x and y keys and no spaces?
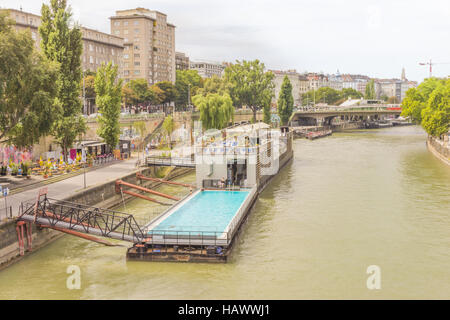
{"x":440,"y":149}
{"x":103,"y":196}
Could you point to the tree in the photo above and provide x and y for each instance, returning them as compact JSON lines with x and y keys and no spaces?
{"x":249,"y":84}
{"x":285,"y":101}
{"x":108,"y":90}
{"x":350,"y":93}
{"x":370,"y":90}
{"x":392,"y":100}
{"x":27,"y":88}
{"x":416,"y":99}
{"x":216,"y":110}
{"x":169,"y":90}
{"x":436,"y":115}
{"x":213,"y":85}
{"x":169,"y":126}
{"x":63,"y":45}
{"x":158,"y":95}
{"x":324,"y":94}
{"x":187,"y":83}
{"x":137,"y":91}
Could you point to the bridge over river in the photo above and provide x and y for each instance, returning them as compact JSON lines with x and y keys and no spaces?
{"x":326,"y":116}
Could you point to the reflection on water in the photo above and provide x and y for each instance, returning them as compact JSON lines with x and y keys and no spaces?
{"x":374,"y":197}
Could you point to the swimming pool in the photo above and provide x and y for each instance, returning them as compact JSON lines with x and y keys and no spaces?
{"x":205,"y":211}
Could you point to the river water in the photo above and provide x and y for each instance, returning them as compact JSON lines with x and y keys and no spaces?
{"x":346,"y":202}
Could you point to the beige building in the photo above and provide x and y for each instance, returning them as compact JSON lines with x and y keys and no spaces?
{"x":98,"y":47}
{"x":181,"y":61}
{"x":300,"y":84}
{"x":149,"y":42}
{"x":208,"y":69}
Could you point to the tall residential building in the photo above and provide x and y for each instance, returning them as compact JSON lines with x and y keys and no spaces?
{"x":208,"y":69}
{"x":98,"y":47}
{"x":181,"y":61}
{"x":149,"y":42}
{"x":300,"y":84}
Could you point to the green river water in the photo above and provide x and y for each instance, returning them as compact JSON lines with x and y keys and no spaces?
{"x":345,"y":202}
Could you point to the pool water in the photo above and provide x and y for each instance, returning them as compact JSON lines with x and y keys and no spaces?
{"x":206,"y":211}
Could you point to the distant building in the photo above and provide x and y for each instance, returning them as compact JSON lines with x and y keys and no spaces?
{"x":149,"y":42}
{"x":207,"y":69}
{"x":181,"y":61}
{"x":98,"y":47}
{"x":300,"y":84}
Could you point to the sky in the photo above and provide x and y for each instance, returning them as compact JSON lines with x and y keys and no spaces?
{"x":375,"y":38}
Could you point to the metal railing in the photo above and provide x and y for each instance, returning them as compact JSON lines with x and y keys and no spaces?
{"x":169,"y":161}
{"x":231,"y":228}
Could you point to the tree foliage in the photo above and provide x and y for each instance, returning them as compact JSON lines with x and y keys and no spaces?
{"x":370,"y":90}
{"x":63,"y":45}
{"x":169,"y":90}
{"x":169,"y":126}
{"x":27,"y":88}
{"x":108,"y":91}
{"x":214,"y":84}
{"x":187,"y":83}
{"x":285,"y":101}
{"x":416,"y":99}
{"x":249,"y":84}
{"x":216,"y":110}
{"x":436,"y":114}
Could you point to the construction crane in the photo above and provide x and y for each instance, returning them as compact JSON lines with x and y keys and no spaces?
{"x":431,"y":64}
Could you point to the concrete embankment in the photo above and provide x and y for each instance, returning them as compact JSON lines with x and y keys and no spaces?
{"x":103,"y":196}
{"x":440,"y":149}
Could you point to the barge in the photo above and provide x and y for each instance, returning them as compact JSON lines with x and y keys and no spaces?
{"x":318,"y":134}
{"x":230,"y":174}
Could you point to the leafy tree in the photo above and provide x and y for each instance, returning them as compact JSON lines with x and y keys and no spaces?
{"x":249,"y":84}
{"x":325,"y":94}
{"x":187,"y":83}
{"x":370,"y":90}
{"x":384,"y":97}
{"x":436,"y":115}
{"x":216,"y":110}
{"x":27,"y":88}
{"x":158,"y":95}
{"x":63,"y":45}
{"x":128,"y":95}
{"x":169,"y":90}
{"x":108,"y":90}
{"x":350,"y":93}
{"x":416,"y":99}
{"x":137,"y":91}
{"x":285,"y":101}
{"x":213,"y":85}
{"x":169,"y":126}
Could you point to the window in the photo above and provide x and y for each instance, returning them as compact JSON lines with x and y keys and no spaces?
{"x":137,"y":72}
{"x":91,"y":47}
{"x":137,"y":63}
{"x":136,"y":23}
{"x":125,"y":31}
{"x":91,"y":59}
{"x":137,"y":55}
{"x":117,"y":23}
{"x":117,"y":32}
{"x":126,"y":56}
{"x":125,"y":23}
{"x":136,"y":47}
{"x":126,"y":73}
{"x":113,"y":52}
{"x":33,"y":35}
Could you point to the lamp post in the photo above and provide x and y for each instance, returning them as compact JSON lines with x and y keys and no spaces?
{"x":85,"y":160}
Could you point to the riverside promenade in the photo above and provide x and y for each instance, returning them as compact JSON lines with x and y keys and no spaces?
{"x":73,"y":185}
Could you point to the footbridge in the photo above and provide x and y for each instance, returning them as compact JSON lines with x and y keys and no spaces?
{"x":326,"y":116}
{"x":79,"y":220}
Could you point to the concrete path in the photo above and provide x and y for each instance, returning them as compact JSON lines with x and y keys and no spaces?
{"x":71,"y":186}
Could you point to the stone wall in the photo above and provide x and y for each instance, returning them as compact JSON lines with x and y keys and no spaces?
{"x":440,"y":148}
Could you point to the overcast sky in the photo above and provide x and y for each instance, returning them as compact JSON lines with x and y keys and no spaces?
{"x":374,"y":37}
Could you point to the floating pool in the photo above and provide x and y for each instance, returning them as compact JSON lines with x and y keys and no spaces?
{"x":205,"y":211}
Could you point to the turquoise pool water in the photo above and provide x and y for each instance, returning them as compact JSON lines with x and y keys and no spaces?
{"x":207,"y":211}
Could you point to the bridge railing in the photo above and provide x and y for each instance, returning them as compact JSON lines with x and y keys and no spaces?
{"x":169,"y":161}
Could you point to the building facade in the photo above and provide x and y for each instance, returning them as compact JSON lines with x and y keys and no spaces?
{"x":149,"y":42}
{"x":181,"y":61}
{"x":300,"y":84}
{"x":98,"y":47}
{"x":207,"y":69}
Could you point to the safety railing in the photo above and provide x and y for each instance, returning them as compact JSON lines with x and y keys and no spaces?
{"x":169,"y":161}
{"x":6,"y":213}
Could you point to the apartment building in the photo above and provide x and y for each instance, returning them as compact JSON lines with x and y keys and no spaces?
{"x":98,"y":47}
{"x":300,"y":84}
{"x":207,"y":69}
{"x":181,"y":61}
{"x":149,"y":44}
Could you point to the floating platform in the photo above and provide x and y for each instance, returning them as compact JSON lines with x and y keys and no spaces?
{"x":200,"y":228}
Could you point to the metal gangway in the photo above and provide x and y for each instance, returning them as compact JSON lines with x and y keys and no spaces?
{"x":77,"y":218}
{"x":169,"y":162}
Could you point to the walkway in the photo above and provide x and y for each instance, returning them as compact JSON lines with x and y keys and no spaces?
{"x":70,"y":186}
